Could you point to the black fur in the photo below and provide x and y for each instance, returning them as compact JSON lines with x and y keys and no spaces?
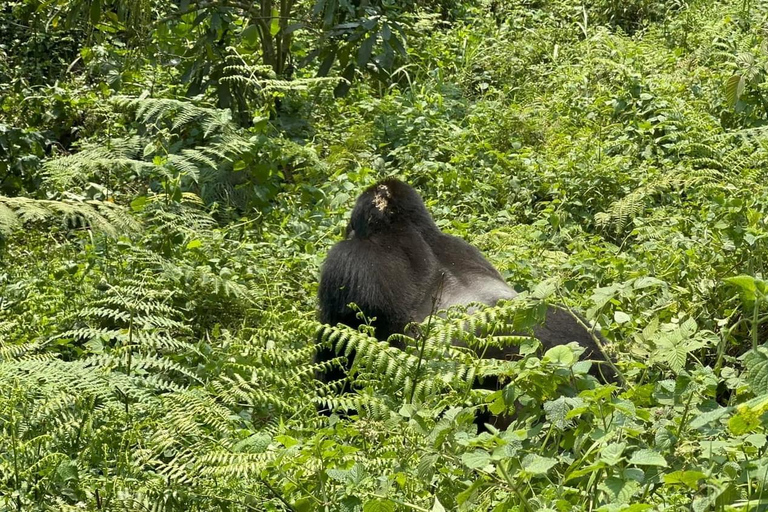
{"x":394,"y":262}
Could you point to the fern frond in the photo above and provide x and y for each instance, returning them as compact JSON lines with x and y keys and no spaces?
{"x":113,"y":156}
{"x":176,"y":113}
{"x":104,"y":217}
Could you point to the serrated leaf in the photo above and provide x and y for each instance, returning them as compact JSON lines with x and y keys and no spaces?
{"x":621,"y":490}
{"x":626,"y":407}
{"x":756,"y":363}
{"x":544,"y":289}
{"x":348,"y":504}
{"x":734,"y":88}
{"x":664,"y":439}
{"x":557,"y":410}
{"x":357,"y":473}
{"x":704,"y":418}
{"x":613,"y":453}
{"x":671,"y":350}
{"x":647,"y":457}
{"x":426,"y":467}
{"x":688,"y":327}
{"x":646,"y":282}
{"x":636,"y":474}
{"x":476,"y":460}
{"x":340,"y":475}
{"x":537,"y":465}
{"x":688,"y":478}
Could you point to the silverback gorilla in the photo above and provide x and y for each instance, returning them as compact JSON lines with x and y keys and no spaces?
{"x":397,"y":266}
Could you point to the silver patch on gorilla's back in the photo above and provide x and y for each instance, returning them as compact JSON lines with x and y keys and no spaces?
{"x":460,"y":292}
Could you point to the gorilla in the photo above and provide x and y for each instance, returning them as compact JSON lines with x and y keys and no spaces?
{"x":397,"y":266}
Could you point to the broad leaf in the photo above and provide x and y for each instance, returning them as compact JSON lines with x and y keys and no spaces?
{"x":537,"y":465}
{"x":647,"y":457}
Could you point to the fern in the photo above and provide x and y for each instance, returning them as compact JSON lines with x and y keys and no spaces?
{"x":114,"y":157}
{"x":431,"y":363}
{"x":104,"y":217}
{"x":176,"y":114}
{"x":260,"y":79}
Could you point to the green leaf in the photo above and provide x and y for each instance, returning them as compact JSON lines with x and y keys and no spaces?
{"x":364,"y":53}
{"x":705,"y":418}
{"x":746,"y":283}
{"x":95,"y":11}
{"x":250,"y":34}
{"x":612,"y":454}
{"x":561,"y":354}
{"x":749,"y":287}
{"x":756,"y":363}
{"x":647,"y":457}
{"x":646,"y":282}
{"x":734,"y":88}
{"x":544,"y":289}
{"x":749,"y":414}
{"x":537,"y":465}
{"x":67,"y":471}
{"x":426,"y":467}
{"x":621,"y":317}
{"x":476,"y":460}
{"x":194,"y":244}
{"x":689,"y":478}
{"x":664,"y":439}
{"x":274,"y":27}
{"x":139,"y":203}
{"x":379,"y":505}
{"x":621,"y":490}
{"x":744,"y":421}
{"x":339,"y":475}
{"x":438,"y":507}
{"x":293,"y":27}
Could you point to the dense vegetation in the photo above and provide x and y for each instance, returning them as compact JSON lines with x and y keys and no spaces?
{"x":173,"y":173}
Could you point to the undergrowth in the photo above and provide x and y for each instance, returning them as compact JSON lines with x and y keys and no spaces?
{"x":162,"y":229}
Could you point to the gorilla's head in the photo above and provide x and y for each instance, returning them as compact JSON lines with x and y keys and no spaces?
{"x":387,"y":206}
